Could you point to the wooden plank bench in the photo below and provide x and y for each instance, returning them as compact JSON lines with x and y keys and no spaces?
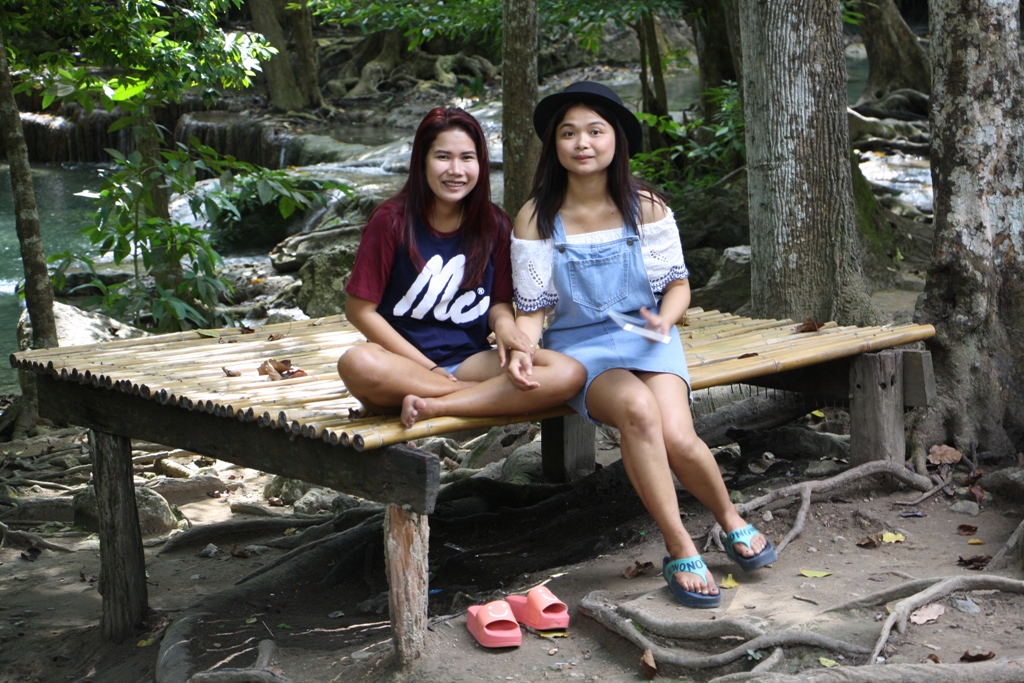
{"x":200,"y":391}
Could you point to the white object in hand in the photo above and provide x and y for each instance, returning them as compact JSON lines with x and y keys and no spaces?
{"x":637,"y":326}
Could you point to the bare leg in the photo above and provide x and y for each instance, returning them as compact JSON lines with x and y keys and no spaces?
{"x":690,"y":458}
{"x":559,"y":377}
{"x":381,"y":379}
{"x":621,"y":399}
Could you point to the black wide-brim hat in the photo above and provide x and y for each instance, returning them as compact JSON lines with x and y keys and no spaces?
{"x":589,"y":92}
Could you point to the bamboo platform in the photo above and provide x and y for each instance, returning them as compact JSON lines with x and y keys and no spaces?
{"x":190,"y":370}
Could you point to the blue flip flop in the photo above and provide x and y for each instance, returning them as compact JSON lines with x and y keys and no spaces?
{"x":694,"y":565}
{"x":743,"y":535}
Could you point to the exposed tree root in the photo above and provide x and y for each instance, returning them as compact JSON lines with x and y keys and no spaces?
{"x":887,"y":595}
{"x":595,"y":606}
{"x":764,"y":666}
{"x":807,"y":488}
{"x":247,"y":527}
{"x":670,"y":628}
{"x":259,"y":673}
{"x":901,"y":612}
{"x":28,"y":539}
{"x":995,"y":671}
{"x":1012,"y":544}
{"x":928,"y":494}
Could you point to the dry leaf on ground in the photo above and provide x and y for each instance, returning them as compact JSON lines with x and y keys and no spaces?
{"x":927,"y":613}
{"x":975,"y":562}
{"x":979,"y":657}
{"x":940,"y":453}
{"x":967,"y":529}
{"x":647,"y":665}
{"x":636,"y":569}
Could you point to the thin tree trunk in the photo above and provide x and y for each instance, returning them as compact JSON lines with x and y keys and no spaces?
{"x":284,"y":91}
{"x":895,"y":57}
{"x":974,"y":293}
{"x":731,"y":13}
{"x":805,"y":260}
{"x":38,"y":290}
{"x":520,"y":145}
{"x":715,"y":62}
{"x":660,"y":105}
{"x":305,"y":51}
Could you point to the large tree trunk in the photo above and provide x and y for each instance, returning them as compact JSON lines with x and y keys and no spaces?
{"x":284,"y":91}
{"x":715,"y":64}
{"x":520,"y":145}
{"x":805,"y":256}
{"x":896,"y":59}
{"x":975,"y":289}
{"x":305,"y":52}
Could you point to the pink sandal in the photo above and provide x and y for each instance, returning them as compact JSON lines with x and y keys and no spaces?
{"x":494,"y":625}
{"x":539,"y":609}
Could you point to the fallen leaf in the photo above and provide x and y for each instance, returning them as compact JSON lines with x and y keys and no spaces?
{"x":808,"y":325}
{"x":267,"y":368}
{"x":966,"y":530}
{"x":868,"y":542}
{"x":243,"y":553}
{"x":978,"y":493}
{"x":748,"y":355}
{"x":275,"y":502}
{"x":974,"y":476}
{"x":893,"y":537}
{"x":818,"y":414}
{"x":277,"y":336}
{"x":975,"y":541}
{"x":815,"y":573}
{"x":980,"y":657}
{"x":647,"y":665}
{"x":145,"y":642}
{"x":552,"y":652}
{"x":245,"y":329}
{"x":729,"y":582}
{"x":934,"y":657}
{"x":826,"y":662}
{"x":212,"y":334}
{"x":285,"y":627}
{"x":636,"y":569}
{"x":975,"y":562}
{"x":940,"y":453}
{"x":231,"y":373}
{"x":251,"y":620}
{"x":927,"y":613}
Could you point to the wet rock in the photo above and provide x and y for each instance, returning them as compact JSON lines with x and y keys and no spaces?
{"x":702,"y":263}
{"x":323,"y":282}
{"x":288,"y":490}
{"x":76,"y":327}
{"x":1008,"y":483}
{"x":315,"y":501}
{"x":823,"y":468}
{"x":343,"y":501}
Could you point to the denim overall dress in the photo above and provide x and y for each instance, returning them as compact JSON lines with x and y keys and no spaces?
{"x":591,"y":280}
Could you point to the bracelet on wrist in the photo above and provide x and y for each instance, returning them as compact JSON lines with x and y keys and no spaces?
{"x":434,"y":368}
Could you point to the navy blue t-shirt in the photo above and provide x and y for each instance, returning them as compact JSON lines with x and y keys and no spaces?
{"x":427,"y":305}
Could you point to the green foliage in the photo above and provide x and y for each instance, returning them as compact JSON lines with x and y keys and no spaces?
{"x":127,"y":228}
{"x":467,"y":19}
{"x":702,"y":152}
{"x":849,"y":11}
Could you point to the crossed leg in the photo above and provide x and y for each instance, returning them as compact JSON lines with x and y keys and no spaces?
{"x":386,"y":382}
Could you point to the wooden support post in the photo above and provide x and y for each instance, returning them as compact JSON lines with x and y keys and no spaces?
{"x":918,"y":379}
{"x":405,"y":555}
{"x":567,"y":447}
{"x":122,"y":581}
{"x":877,"y":428}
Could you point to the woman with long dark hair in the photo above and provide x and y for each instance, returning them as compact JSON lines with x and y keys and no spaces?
{"x":431,"y":281}
{"x":593,"y":249}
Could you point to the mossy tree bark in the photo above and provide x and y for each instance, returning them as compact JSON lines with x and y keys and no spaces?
{"x":896,"y":59}
{"x":805,"y":255}
{"x":284,"y":90}
{"x":520,"y":145}
{"x":305,"y":53}
{"x":974,"y":294}
{"x":715,"y":63}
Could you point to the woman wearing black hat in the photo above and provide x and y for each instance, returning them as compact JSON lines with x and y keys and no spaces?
{"x":593,"y":248}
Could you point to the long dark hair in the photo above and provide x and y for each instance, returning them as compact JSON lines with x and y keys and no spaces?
{"x":482,"y":221}
{"x":551,"y":179}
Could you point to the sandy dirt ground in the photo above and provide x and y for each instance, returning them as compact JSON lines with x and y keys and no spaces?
{"x":49,"y":608}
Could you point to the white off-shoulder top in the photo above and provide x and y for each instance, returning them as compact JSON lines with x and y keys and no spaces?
{"x":531,"y":261}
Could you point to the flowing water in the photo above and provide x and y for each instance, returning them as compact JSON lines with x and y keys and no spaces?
{"x":63,"y":211}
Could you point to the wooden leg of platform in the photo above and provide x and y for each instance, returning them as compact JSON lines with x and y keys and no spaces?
{"x":877,"y":428}
{"x":567,"y":447}
{"x":405,"y":553}
{"x":122,"y":581}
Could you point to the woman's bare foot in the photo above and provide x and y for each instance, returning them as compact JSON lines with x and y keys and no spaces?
{"x":414,"y":409}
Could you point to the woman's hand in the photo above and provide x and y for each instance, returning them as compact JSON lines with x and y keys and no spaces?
{"x":656,"y":322}
{"x":520,"y":368}
{"x":508,"y":338}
